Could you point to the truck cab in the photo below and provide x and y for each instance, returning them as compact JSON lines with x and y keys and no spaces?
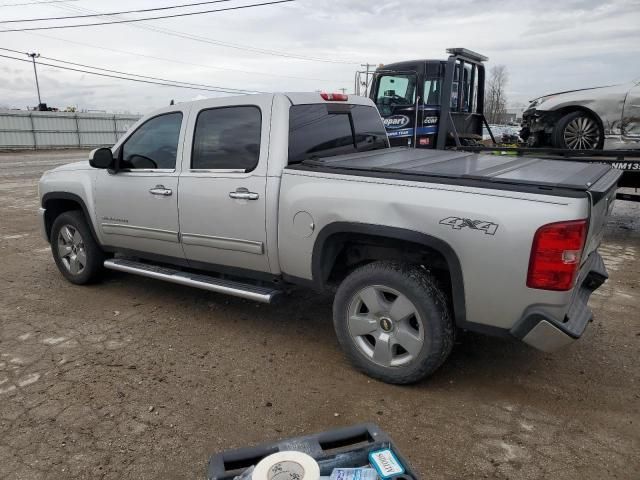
{"x":410,"y":97}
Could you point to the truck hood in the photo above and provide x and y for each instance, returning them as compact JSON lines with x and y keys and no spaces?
{"x":580,"y":95}
{"x":572,"y":91}
{"x":82,"y":165}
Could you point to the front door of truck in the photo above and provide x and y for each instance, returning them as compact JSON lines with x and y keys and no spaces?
{"x":222,"y":198}
{"x":429,"y":115}
{"x":631,"y":114}
{"x":137,"y":207}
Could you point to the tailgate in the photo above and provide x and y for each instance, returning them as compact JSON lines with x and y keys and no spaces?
{"x":602,"y":195}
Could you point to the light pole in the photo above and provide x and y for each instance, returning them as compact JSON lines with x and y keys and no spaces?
{"x":35,"y":72}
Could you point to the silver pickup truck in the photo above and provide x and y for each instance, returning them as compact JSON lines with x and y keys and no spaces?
{"x":254,"y":195}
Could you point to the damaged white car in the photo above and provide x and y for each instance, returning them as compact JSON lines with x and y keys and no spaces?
{"x":588,"y":119}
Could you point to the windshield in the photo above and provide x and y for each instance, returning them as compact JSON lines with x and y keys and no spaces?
{"x":396,"y":89}
{"x":323,"y":130}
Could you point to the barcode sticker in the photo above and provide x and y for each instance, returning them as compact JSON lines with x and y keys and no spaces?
{"x":386,"y":463}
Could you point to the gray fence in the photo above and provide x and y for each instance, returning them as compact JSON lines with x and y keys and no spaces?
{"x":25,"y":129}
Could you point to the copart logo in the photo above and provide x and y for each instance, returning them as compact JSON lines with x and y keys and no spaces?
{"x":459,"y":223}
{"x":396,"y":121}
{"x":430,"y":120}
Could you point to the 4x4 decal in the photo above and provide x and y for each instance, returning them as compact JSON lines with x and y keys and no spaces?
{"x":459,"y":223}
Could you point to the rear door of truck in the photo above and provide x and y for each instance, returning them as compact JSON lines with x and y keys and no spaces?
{"x":222,"y":200}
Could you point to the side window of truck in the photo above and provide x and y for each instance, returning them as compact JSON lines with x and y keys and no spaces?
{"x":227,"y":138}
{"x":432,"y":91}
{"x":154,"y":145}
{"x":321,"y":130}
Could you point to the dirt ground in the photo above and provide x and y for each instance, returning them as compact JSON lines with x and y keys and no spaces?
{"x":135,"y":378}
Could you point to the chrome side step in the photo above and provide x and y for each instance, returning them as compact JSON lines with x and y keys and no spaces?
{"x":229,"y":287}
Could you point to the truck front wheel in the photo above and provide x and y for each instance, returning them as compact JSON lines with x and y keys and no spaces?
{"x":393,"y":322}
{"x":76,"y":253}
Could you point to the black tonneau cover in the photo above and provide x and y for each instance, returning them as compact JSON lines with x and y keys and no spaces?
{"x":528,"y":174}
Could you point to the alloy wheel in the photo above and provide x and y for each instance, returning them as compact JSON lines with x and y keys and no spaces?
{"x":385,"y":326}
{"x":582,"y":133}
{"x":71,"y":249}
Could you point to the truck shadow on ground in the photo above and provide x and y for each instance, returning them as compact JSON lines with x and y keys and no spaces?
{"x":304,"y":321}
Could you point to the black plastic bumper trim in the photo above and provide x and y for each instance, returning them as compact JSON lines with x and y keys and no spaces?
{"x":592,"y":276}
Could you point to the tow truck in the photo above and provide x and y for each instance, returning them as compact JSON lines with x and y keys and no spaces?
{"x":440,"y":104}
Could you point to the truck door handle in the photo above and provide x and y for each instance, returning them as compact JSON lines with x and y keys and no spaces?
{"x":160,"y":190}
{"x":244,"y":194}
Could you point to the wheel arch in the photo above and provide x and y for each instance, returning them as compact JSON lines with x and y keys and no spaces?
{"x":56,"y":203}
{"x":335,"y":237}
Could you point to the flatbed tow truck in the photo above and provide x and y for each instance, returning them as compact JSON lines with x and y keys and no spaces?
{"x":409,"y":97}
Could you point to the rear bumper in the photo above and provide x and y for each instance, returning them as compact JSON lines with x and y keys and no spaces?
{"x":544,"y":332}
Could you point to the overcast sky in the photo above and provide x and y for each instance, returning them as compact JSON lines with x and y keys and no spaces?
{"x":546,"y":45}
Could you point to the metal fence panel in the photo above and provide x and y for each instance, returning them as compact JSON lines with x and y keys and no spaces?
{"x":16,"y":139}
{"x":93,"y":124}
{"x":21,"y":129}
{"x":51,"y":124}
{"x":56,"y":139}
{"x":15,"y":122}
{"x":97,"y":139}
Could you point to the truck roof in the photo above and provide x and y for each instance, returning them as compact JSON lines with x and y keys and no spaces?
{"x":411,"y":65}
{"x":296,"y":98}
{"x":301,"y":98}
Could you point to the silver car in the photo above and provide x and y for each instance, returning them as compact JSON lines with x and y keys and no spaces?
{"x":587,"y":119}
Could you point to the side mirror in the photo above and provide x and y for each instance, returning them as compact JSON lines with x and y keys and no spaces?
{"x":101,"y":158}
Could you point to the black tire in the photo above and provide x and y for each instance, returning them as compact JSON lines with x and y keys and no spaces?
{"x":92,"y":269}
{"x":564,"y":132}
{"x":432,"y":316}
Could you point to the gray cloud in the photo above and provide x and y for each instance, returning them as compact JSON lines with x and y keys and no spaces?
{"x":547,"y":46}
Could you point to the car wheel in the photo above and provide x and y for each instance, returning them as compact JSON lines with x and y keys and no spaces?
{"x":578,"y":131}
{"x":76,"y":253}
{"x":393,"y":322}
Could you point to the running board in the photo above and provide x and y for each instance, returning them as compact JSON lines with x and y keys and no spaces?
{"x":213,"y":284}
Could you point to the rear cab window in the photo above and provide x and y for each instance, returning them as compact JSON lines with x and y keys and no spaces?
{"x":324,"y":130}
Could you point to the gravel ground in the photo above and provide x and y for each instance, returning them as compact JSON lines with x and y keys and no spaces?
{"x":135,"y":378}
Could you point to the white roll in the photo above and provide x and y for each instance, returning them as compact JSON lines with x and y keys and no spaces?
{"x":287,"y":466}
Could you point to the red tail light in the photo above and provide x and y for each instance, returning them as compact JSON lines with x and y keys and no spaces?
{"x":335,"y":97}
{"x":555,"y":255}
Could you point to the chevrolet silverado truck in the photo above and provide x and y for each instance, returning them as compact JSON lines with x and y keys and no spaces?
{"x":255,"y":195}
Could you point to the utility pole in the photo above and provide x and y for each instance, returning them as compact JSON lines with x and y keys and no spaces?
{"x":33,"y":56}
{"x":343,"y":90}
{"x":366,"y":78}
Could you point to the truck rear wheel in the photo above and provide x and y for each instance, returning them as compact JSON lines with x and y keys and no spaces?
{"x":577,"y":131}
{"x":76,"y":253}
{"x":393,"y":322}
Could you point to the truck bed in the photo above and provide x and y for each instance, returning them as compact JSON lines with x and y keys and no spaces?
{"x":532,"y":175}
